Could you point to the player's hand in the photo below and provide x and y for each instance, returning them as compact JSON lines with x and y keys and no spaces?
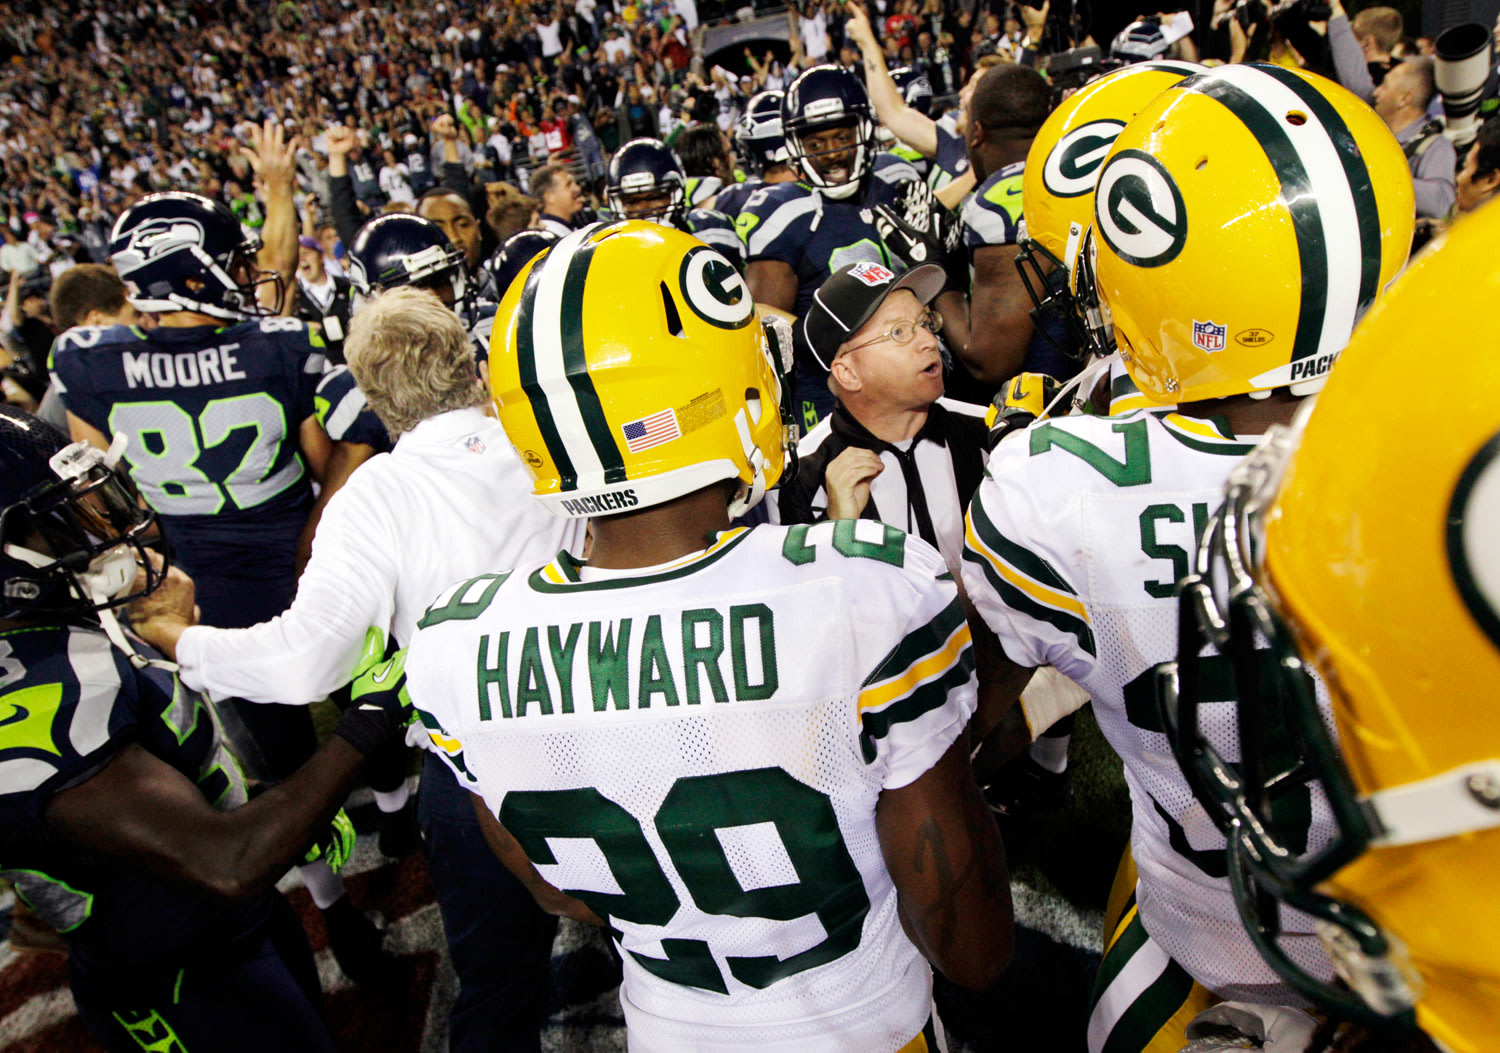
{"x":847,"y":481}
{"x":379,"y":707}
{"x":272,"y":155}
{"x":1021,"y":401}
{"x":858,"y":27}
{"x":336,"y":845}
{"x":340,"y":140}
{"x":161,"y":616}
{"x":921,"y":229}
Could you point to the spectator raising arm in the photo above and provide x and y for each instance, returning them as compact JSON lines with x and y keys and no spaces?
{"x":1348,"y":57}
{"x":911,"y":127}
{"x":340,"y":186}
{"x":274,"y":159}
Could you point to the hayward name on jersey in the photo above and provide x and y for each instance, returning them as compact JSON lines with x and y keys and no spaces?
{"x":812,"y":234}
{"x":1075,"y":541}
{"x":696,"y":752}
{"x":70,"y":702}
{"x":211,"y":413}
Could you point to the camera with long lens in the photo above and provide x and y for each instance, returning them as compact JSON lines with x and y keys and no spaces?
{"x":1464,"y":56}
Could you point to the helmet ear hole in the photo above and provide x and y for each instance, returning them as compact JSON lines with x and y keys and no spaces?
{"x":753,"y":405}
{"x":674,"y":319}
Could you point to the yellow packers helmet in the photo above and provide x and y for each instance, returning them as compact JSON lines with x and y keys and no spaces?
{"x":628,"y":369}
{"x":1062,"y":167}
{"x":1367,"y":548}
{"x":1243,"y":222}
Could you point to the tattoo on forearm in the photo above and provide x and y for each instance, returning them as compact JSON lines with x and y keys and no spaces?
{"x":939,"y":918}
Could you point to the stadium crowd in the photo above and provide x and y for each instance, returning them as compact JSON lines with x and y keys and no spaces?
{"x":272,"y":271}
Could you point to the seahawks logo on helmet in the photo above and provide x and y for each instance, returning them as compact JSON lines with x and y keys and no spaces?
{"x":1473,"y":524}
{"x":1072,"y":168}
{"x":714,"y":290}
{"x":1139,"y":210}
{"x":157,"y":237}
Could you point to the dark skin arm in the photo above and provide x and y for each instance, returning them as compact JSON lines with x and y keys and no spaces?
{"x":772,"y":283}
{"x":992,"y":333}
{"x":509,"y":852}
{"x":944,"y":854}
{"x":147,"y":815}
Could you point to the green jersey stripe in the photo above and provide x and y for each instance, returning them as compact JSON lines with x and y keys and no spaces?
{"x":569,"y":566}
{"x":1014,"y":597}
{"x":1022,"y":559}
{"x":918,"y":644}
{"x":877,"y":723}
{"x":1202,"y":445}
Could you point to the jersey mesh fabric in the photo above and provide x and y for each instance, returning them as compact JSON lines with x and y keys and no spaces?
{"x":1077,"y":537}
{"x":800,"y":754}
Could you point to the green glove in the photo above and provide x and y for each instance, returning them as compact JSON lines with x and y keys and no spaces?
{"x":336,"y":845}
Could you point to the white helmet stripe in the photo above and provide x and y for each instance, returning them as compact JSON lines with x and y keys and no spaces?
{"x":551,"y":370}
{"x":1329,"y":184}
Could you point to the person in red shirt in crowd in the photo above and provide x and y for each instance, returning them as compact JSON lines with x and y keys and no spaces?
{"x":554,"y":126}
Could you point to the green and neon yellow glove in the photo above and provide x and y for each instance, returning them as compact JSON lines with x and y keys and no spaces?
{"x":336,"y":845}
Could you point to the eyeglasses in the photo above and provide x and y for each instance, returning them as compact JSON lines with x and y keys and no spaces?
{"x":905,"y":331}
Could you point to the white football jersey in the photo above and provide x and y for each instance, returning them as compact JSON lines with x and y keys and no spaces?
{"x":696,"y":751}
{"x":1075,"y":541}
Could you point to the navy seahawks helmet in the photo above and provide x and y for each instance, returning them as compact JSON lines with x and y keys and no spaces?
{"x":402,"y":249}
{"x":821,"y":98}
{"x":72,"y":527}
{"x":178,"y":251}
{"x":646,"y":181}
{"x":915,"y":88}
{"x":518,"y":250}
{"x":757,"y":136}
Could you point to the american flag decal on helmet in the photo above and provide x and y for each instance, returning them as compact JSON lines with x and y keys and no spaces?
{"x":651,"y":431}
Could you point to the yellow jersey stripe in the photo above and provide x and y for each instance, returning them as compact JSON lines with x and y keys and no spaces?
{"x":1201,"y":428}
{"x":935,"y":664}
{"x":1037,"y":591}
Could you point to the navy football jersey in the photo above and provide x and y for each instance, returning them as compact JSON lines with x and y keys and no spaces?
{"x":813,"y":234}
{"x":952,"y":158}
{"x":213,"y":416}
{"x":732,"y":198}
{"x":69,"y":702}
{"x":906,"y":155}
{"x":992,"y":216}
{"x":345,"y":415}
{"x":893,"y":170}
{"x":714,"y":228}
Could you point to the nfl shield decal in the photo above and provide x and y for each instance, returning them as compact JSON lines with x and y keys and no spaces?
{"x":1208,"y":337}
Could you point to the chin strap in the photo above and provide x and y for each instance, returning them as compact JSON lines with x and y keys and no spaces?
{"x":749,"y":494}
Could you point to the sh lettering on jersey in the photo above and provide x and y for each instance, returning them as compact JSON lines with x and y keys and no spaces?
{"x":698,"y":656}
